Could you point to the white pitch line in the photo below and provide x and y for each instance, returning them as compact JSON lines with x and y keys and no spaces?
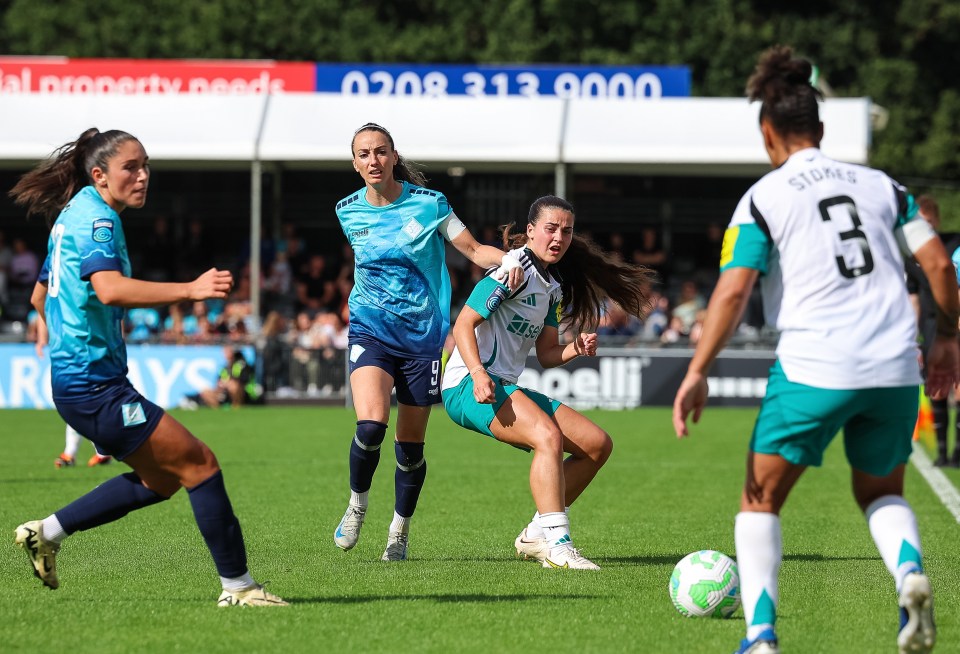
{"x":938,"y":481}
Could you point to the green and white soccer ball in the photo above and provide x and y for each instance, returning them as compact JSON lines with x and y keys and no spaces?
{"x":705,"y":584}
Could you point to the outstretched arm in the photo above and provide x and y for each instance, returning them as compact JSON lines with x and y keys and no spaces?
{"x":552,"y":353}
{"x":487,"y":256}
{"x":723,"y":315}
{"x":113,"y":289}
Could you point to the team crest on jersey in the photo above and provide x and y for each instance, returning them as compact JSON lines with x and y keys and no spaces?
{"x":498,"y":295}
{"x":103,"y":230}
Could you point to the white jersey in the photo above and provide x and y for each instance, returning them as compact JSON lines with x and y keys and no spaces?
{"x":513,"y":321}
{"x":834,"y":283}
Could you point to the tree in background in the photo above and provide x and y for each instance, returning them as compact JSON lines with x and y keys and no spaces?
{"x":902,"y":54}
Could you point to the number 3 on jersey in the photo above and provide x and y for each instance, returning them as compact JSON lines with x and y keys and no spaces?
{"x":847,"y":260}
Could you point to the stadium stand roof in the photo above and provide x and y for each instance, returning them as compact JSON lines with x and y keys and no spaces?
{"x":672,"y":135}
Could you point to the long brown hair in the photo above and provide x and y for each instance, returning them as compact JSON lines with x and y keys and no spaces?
{"x":46,"y":189}
{"x":782,"y":84}
{"x":588,"y":274}
{"x":403,"y":170}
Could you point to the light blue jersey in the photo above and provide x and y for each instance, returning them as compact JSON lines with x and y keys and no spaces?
{"x":86,"y":336}
{"x":401,"y":293}
{"x":956,"y":263}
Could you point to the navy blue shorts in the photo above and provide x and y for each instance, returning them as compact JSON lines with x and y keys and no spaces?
{"x":417,"y":380}
{"x":116,"y":418}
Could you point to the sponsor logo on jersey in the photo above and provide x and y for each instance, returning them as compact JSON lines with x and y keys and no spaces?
{"x":498,"y":295}
{"x":530,"y":300}
{"x":103,"y":230}
{"x":360,"y":233}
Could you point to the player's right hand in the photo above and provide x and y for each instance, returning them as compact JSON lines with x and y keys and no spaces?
{"x":691,"y":397}
{"x":484,"y":388}
{"x":211,"y":284}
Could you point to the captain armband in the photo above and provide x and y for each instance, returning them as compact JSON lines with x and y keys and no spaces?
{"x":451,"y":227}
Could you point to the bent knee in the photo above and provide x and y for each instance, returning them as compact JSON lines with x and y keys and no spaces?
{"x":548,"y":439}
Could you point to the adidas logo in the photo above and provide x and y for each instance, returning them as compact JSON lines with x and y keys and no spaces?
{"x":563,"y":540}
{"x":530,"y":301}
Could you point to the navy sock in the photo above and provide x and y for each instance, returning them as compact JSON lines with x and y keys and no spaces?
{"x":219,"y":526}
{"x":365,"y":454}
{"x":411,"y":471}
{"x":109,"y":501}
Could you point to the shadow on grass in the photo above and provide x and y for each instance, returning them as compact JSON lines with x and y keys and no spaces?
{"x":672,"y":559}
{"x":440,"y":598}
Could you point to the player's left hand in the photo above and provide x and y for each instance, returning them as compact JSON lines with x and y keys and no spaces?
{"x":691,"y":397}
{"x":587,"y":345}
{"x":510,"y":272}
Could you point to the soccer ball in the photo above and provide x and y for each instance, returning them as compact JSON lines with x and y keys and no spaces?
{"x":705,"y":584}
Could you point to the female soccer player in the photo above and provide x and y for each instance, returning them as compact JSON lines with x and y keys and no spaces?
{"x":564,"y":275}
{"x":824,"y":235}
{"x":83,"y":288}
{"x":399,"y":318}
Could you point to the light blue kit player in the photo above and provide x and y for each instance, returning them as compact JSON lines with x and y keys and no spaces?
{"x":82,"y":291}
{"x":399,"y":319}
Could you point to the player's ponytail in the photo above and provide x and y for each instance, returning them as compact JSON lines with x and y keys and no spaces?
{"x":781,"y":82}
{"x":589,"y":275}
{"x":46,"y":189}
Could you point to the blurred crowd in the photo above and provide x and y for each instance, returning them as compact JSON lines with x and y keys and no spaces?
{"x":304,"y":292}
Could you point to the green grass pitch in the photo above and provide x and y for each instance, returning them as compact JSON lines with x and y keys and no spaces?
{"x":147,"y":584}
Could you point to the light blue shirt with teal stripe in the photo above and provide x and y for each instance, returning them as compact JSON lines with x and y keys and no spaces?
{"x":86,"y":336}
{"x":401,"y":292}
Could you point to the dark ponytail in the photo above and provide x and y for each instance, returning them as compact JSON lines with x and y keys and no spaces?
{"x":46,"y":189}
{"x":782,"y":84}
{"x":589,"y":275}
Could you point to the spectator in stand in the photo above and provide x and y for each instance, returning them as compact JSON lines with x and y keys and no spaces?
{"x":194,"y":247}
{"x":617,"y":246}
{"x":707,"y":255}
{"x":278,"y":286}
{"x":24,"y":265}
{"x":615,"y":321}
{"x":6,"y":255}
{"x":317,"y":289}
{"x":159,"y":258}
{"x":688,"y":304}
{"x":650,"y":253}
{"x":659,"y":317}
{"x":236,"y":384}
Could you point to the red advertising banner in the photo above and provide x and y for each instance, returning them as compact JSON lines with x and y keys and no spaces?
{"x":152,"y":76}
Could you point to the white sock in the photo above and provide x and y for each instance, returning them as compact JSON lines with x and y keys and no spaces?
{"x":242,"y":582}
{"x":399,"y":524}
{"x":71,"y":441}
{"x":358,"y":499}
{"x":534,"y":530}
{"x":893,"y":526}
{"x":52,"y":530}
{"x":759,"y":553}
{"x":556,"y":528}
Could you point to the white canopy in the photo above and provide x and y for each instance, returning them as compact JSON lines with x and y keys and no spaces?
{"x":703,"y":135}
